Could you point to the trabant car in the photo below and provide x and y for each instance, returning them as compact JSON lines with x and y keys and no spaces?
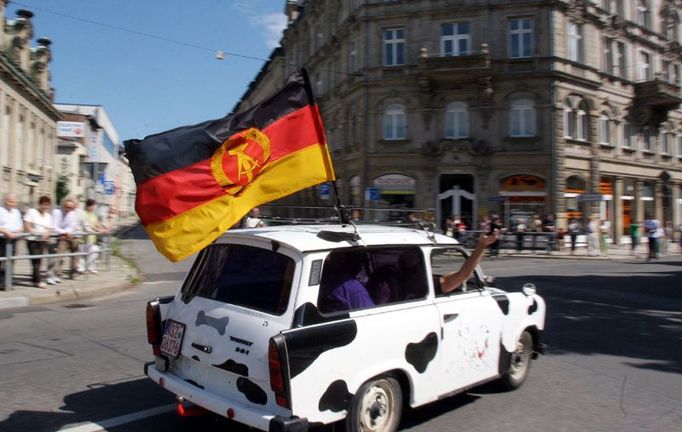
{"x":260,"y":333}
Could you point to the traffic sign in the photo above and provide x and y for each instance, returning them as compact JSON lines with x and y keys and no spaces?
{"x":324,"y":190}
{"x":109,"y":188}
{"x":372,"y":194}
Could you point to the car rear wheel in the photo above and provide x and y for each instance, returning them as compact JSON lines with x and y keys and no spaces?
{"x":519,"y":363}
{"x":376,"y":407}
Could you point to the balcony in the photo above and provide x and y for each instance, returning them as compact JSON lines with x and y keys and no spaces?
{"x":658,"y":94}
{"x":468,"y":67}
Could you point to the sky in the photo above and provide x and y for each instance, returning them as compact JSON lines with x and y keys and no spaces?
{"x":160,"y":71}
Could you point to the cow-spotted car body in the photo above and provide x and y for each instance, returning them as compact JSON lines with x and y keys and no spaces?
{"x":268,"y":330}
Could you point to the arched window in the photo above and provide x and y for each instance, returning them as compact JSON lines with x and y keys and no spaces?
{"x":576,"y":120}
{"x":606,"y":129}
{"x":457,"y":120}
{"x":522,"y":118}
{"x":394,"y":122}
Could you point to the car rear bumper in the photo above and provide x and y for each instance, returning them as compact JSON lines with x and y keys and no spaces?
{"x":241,"y":413}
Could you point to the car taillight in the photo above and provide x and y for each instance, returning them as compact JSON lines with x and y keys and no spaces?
{"x":278,"y":371}
{"x":154,"y":325}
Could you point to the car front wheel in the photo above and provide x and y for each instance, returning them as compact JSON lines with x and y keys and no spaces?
{"x":376,"y":406}
{"x":519,"y":363}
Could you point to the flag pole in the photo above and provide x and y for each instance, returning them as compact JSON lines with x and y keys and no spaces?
{"x":340,"y":208}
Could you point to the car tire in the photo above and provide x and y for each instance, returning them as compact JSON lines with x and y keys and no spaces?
{"x":376,"y":407}
{"x":519,"y":363}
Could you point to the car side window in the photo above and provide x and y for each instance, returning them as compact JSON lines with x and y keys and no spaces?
{"x":361,"y":278}
{"x":449,"y":260}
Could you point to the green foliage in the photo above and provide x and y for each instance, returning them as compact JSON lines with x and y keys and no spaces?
{"x":61,"y":188}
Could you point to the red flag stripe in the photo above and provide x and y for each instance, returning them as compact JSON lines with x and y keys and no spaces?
{"x":175,"y":192}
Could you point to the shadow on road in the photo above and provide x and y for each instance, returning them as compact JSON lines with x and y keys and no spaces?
{"x":99,"y":402}
{"x":637,"y":315}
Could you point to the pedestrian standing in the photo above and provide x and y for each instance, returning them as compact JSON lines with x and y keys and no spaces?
{"x":634,"y":236}
{"x":67,"y":224}
{"x":254,"y":220}
{"x":91,"y":247}
{"x":604,"y":228}
{"x":549,"y":227}
{"x":573,"y":231}
{"x":651,"y":227}
{"x":593,"y":236}
{"x":11,"y":228}
{"x":520,"y":230}
{"x":495,"y":229}
{"x":38,"y":224}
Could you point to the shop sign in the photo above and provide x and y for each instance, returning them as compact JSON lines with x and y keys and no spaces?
{"x":395,"y":181}
{"x":590,"y":197}
{"x":67,"y":129}
{"x":522,"y":183}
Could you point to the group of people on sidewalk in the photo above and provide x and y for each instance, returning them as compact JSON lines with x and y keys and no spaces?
{"x":51,"y":231}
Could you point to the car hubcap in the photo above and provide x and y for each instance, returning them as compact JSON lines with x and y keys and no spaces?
{"x":519,"y":360}
{"x":375,"y":409}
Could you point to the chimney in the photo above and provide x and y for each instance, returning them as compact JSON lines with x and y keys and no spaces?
{"x":23,"y":32}
{"x":42,"y":56}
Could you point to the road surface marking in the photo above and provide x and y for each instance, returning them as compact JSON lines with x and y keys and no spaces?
{"x":121,"y":420}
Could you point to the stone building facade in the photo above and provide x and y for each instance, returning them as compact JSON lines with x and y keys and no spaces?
{"x":569,"y":107}
{"x":27,"y":117}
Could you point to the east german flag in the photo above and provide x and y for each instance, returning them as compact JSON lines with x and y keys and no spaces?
{"x":195,"y":182}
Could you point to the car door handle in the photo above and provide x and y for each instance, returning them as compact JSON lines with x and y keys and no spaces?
{"x":203,"y":348}
{"x":449,"y":317}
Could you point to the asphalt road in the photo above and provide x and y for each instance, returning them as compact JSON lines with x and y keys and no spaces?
{"x":614,"y":362}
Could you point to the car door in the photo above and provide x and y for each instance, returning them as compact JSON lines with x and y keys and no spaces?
{"x":471,"y":324}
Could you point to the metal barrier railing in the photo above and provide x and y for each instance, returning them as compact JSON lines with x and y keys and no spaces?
{"x":527,"y":240}
{"x":105,"y":251}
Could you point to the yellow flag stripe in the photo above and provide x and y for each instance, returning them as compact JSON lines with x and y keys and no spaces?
{"x":189,"y":232}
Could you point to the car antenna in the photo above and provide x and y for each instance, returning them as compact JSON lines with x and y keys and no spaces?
{"x":343,"y":213}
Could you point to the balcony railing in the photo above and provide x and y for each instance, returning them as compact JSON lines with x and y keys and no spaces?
{"x":659,"y":94}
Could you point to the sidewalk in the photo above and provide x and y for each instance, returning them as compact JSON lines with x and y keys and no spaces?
{"x":612,"y":252}
{"x":118,"y":277}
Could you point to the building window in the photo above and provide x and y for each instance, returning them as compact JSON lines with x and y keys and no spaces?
{"x":646,"y":139}
{"x":353,"y":57}
{"x":575,"y":42}
{"x":455,"y":39}
{"x":644,"y":66}
{"x":679,"y":146}
{"x":643,"y":14}
{"x":522,"y":118}
{"x":606,"y":129}
{"x":614,"y":7}
{"x":581,"y":125}
{"x":671,"y":72}
{"x":667,"y":138}
{"x":576,"y":120}
{"x":614,"y":58}
{"x":394,"y":122}
{"x":4,"y":144}
{"x":457,"y":120}
{"x":394,"y":47}
{"x":628,"y":133}
{"x":521,"y":38}
{"x":672,"y":27}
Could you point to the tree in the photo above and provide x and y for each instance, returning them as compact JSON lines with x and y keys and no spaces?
{"x":61,"y":187}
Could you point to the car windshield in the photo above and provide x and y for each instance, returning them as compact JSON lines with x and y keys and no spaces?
{"x":241,"y":275}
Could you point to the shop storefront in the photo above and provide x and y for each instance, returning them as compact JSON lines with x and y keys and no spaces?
{"x":575,"y":187}
{"x":627,"y":202}
{"x":395,"y":190}
{"x":524,"y":196}
{"x":606,"y":209}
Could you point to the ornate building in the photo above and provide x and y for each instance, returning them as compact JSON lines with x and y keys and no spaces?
{"x":28,"y":120}
{"x":513,"y":107}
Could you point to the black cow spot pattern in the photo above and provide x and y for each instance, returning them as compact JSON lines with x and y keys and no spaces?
{"x":533,"y":307}
{"x":421,"y":353}
{"x":308,"y":314}
{"x":217,"y":323}
{"x":195,"y":384}
{"x":503,"y":303}
{"x":305,"y":345}
{"x":196,"y":358}
{"x":336,"y":397}
{"x":251,"y":390}
{"x":234,"y":367}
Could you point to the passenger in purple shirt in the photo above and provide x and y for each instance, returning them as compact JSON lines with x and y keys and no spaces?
{"x":352,"y":294}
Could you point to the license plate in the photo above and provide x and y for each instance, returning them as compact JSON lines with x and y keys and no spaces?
{"x":173,"y":332}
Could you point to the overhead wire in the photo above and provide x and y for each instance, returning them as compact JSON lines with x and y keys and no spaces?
{"x":161,"y":38}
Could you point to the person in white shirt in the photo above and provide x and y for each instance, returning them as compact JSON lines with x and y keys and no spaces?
{"x":254,"y":220}
{"x":11,"y":226}
{"x":39,"y":225}
{"x":67,"y":223}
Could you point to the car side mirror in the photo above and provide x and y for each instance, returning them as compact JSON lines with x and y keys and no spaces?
{"x":528,"y":289}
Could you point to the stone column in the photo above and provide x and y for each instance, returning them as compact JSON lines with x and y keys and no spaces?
{"x":658,"y":200}
{"x":617,"y":210}
{"x":676,"y":217}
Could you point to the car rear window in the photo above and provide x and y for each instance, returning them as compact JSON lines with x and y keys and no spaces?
{"x":241,"y":275}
